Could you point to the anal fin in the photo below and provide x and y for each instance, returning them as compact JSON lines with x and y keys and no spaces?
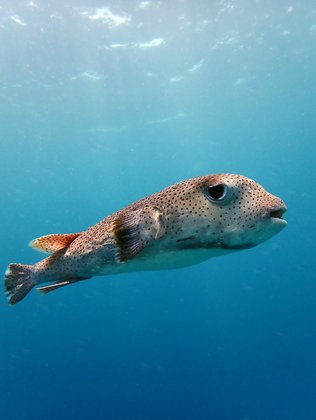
{"x":57,"y":285}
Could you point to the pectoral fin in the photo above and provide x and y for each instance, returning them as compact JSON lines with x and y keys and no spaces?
{"x":53,"y":243}
{"x":136,"y":229}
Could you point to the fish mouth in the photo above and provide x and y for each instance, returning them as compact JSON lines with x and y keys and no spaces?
{"x":276,"y":214}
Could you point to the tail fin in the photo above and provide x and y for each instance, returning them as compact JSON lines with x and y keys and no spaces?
{"x":18,"y":281}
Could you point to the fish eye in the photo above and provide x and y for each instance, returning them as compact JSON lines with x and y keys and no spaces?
{"x":217,"y":192}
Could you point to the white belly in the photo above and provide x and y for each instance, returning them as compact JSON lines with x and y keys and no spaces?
{"x":165,"y":260}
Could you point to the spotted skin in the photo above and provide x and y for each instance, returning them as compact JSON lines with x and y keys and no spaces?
{"x":176,"y":227}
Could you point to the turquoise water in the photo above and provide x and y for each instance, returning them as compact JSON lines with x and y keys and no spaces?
{"x":103,"y":103}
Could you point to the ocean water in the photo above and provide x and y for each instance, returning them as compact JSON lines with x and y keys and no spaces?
{"x":105,"y":102}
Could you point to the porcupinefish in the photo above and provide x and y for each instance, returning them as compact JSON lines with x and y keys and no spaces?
{"x":182,"y":225}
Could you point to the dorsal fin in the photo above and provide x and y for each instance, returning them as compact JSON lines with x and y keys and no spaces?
{"x":54,"y":242}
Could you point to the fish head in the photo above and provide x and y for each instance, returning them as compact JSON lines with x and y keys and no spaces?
{"x":240,"y":212}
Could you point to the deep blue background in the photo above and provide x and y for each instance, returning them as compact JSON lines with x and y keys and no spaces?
{"x":99,"y":108}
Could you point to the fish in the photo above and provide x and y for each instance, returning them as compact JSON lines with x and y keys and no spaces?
{"x":182,"y":225}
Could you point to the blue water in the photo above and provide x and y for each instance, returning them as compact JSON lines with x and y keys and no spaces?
{"x":105,"y":102}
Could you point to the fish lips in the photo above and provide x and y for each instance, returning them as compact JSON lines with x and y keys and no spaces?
{"x":276,"y":215}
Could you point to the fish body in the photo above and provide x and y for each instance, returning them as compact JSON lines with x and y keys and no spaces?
{"x":184,"y":224}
